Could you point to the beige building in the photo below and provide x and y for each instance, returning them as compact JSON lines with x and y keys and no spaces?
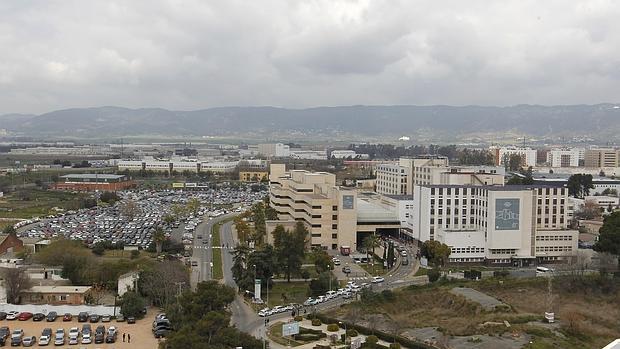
{"x":335,"y":216}
{"x":253,"y":176}
{"x":602,"y":158}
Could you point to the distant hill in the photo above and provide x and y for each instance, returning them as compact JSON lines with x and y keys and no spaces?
{"x":599,"y":121}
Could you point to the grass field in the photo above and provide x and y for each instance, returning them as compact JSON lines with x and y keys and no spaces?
{"x":275,"y":334}
{"x":218,"y":273}
{"x":287,"y":292}
{"x":28,"y":203}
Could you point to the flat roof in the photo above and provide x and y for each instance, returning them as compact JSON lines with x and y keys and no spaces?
{"x":58,"y":289}
{"x":493,"y":187}
{"x":369,"y":212}
{"x":93,"y":176}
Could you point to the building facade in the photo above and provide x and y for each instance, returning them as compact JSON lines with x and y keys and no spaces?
{"x":516,"y":225}
{"x":92,"y":182}
{"x":502,"y":154}
{"x":598,"y":158}
{"x":563,"y":157}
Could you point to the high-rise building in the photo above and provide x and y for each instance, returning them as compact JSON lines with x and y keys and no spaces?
{"x":563,"y":157}
{"x":502,"y":155}
{"x":516,"y":225}
{"x":602,"y":157}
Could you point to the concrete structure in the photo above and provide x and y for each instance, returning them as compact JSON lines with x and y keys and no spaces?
{"x":93,"y":181}
{"x":308,"y":154}
{"x":253,"y":176}
{"x":597,"y":158}
{"x":274,"y":150}
{"x":56,"y":295}
{"x":399,"y":179}
{"x":178,"y":165}
{"x":335,"y":216}
{"x":502,"y":154}
{"x":516,"y":225}
{"x":564,"y":157}
{"x":347,"y":154}
{"x":128,"y":282}
{"x":561,"y":179}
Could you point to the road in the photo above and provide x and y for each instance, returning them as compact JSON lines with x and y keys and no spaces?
{"x":202,"y":252}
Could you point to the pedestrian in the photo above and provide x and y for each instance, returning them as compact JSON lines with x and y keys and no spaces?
{"x":128,"y":338}
{"x":123,"y":337}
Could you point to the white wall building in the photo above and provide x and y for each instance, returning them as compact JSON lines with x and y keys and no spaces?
{"x":502,"y":154}
{"x":564,"y":157}
{"x":515,"y":225}
{"x":309,"y":154}
{"x":277,"y":150}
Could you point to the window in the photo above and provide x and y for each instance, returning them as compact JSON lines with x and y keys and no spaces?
{"x":334,"y":208}
{"x":334,"y":226}
{"x":334,"y":217}
{"x":334,"y":236}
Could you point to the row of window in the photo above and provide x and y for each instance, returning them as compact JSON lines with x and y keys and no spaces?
{"x":467,"y":250}
{"x":503,"y":251}
{"x":554,"y":248}
{"x":554,"y":238}
{"x":318,"y":235}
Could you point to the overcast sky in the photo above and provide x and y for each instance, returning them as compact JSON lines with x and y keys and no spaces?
{"x":196,"y":54}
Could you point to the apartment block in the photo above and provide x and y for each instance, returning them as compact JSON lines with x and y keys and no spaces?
{"x":563,"y":157}
{"x":335,"y":216}
{"x":502,"y":154}
{"x":602,"y":158}
{"x":512,"y":225}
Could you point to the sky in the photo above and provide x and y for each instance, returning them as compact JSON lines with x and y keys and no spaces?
{"x":194,"y":54}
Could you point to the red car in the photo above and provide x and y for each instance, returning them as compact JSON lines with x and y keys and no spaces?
{"x":67,"y":317}
{"x":23,"y":316}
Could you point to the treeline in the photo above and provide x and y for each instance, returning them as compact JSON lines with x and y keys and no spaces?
{"x":462,"y":156}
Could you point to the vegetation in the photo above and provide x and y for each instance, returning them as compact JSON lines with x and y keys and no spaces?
{"x":218,"y":273}
{"x":202,"y":320}
{"x":29,"y":203}
{"x":322,"y":284}
{"x":609,"y":236}
{"x":436,"y":252}
{"x":132,"y":304}
{"x":162,"y":282}
{"x":579,"y":185}
{"x":15,"y":281}
{"x":248,"y":265}
{"x":290,"y":248}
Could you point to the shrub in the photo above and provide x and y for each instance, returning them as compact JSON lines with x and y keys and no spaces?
{"x":433,"y":275}
{"x":298,"y":318}
{"x":501,"y":273}
{"x":352,"y":333}
{"x":372,"y":339}
{"x":395,"y":346}
{"x":316,"y":322}
{"x":332,"y":327}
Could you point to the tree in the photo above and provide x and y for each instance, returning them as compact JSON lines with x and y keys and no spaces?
{"x":589,"y":210}
{"x":15,"y":281}
{"x":158,"y":238}
{"x":321,"y":284}
{"x":193,"y":206}
{"x":322,"y":261}
{"x":609,"y":235}
{"x":161,"y":282}
{"x":130,"y":209}
{"x":109,"y":197}
{"x":370,"y":243}
{"x":290,"y":248}
{"x":132,"y":304}
{"x":579,"y":185}
{"x":9,"y":230}
{"x":436,"y":252}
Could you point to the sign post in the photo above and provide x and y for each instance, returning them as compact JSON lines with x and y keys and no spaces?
{"x":257,"y":289}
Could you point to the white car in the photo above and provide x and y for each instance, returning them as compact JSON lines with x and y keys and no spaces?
{"x":44,"y":340}
{"x":12,"y":315}
{"x":19,"y":333}
{"x":86,"y":339}
{"x":59,"y":338}
{"x":377,"y":279}
{"x":74,"y":331}
{"x":73,"y":340}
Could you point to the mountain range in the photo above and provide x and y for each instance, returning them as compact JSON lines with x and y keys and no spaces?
{"x":600,"y":121}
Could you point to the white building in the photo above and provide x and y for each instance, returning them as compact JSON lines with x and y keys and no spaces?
{"x":128,"y":282}
{"x":564,"y":157}
{"x":277,"y":150}
{"x":309,"y":154}
{"x":502,"y":154}
{"x":179,"y":165}
{"x":515,"y":225}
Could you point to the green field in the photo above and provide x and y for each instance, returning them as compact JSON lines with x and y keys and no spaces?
{"x":287,"y":292}
{"x":28,"y":203}
{"x":218,"y":274}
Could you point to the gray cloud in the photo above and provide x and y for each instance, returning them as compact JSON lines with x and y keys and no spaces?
{"x":194,"y":54}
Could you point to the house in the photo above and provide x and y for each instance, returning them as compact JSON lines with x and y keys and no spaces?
{"x":11,"y":243}
{"x":128,"y":282}
{"x":56,"y":295}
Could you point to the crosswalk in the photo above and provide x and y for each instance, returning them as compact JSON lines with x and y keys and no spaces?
{"x":219,"y":247}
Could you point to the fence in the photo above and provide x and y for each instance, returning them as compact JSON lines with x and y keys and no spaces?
{"x":61,"y":309}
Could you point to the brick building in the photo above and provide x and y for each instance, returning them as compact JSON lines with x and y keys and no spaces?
{"x":11,"y":243}
{"x":92,"y":182}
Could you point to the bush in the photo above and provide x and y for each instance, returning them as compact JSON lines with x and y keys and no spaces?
{"x":352,"y":333}
{"x":316,"y":322}
{"x":433,"y":275}
{"x":298,"y":318}
{"x":372,"y":339}
{"x":135,"y":254}
{"x":395,"y":346}
{"x":332,"y":327}
{"x":501,"y":273}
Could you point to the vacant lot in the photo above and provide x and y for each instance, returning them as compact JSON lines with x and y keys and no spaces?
{"x":588,"y":316}
{"x":28,"y":203}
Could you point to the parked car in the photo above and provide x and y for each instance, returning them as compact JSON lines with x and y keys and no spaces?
{"x":120,"y":318}
{"x":83,"y":317}
{"x":111,"y":335}
{"x":51,"y":316}
{"x":4,"y":334}
{"x":25,"y":315}
{"x":346,"y":269}
{"x":161,"y":332}
{"x":106,"y":318}
{"x":93,"y":318}
{"x":59,"y":337}
{"x":46,"y":337}
{"x":73,"y":340}
{"x":12,"y":315}
{"x":86,"y":338}
{"x":38,"y":317}
{"x":29,"y":341}
{"x":2,"y":315}
{"x":67,"y":317}
{"x":16,"y":337}
{"x":131,"y":320}
{"x":100,"y":334}
{"x":86,"y":328}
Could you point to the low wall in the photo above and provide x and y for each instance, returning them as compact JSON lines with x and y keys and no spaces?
{"x":61,"y":309}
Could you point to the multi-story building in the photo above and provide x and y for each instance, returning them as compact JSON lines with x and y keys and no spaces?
{"x":93,"y":181}
{"x":563,"y":157}
{"x":274,"y":150}
{"x":502,"y":155}
{"x":182,"y":165}
{"x":335,"y":216}
{"x":515,"y":225}
{"x":602,"y":158}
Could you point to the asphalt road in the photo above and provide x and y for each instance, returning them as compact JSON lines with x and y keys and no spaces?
{"x":202,"y":253}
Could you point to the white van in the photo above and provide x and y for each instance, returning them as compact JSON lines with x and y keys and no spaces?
{"x":543,"y":270}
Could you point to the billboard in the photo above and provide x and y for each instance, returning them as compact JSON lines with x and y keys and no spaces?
{"x":178,"y":185}
{"x":257,"y":290}
{"x":507,"y":214}
{"x":347,"y":202}
{"x":290,"y":329}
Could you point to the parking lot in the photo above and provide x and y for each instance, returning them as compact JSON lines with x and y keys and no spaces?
{"x":113,"y":224}
{"x":140,"y":332}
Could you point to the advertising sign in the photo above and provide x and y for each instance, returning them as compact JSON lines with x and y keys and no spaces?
{"x":178,"y":185}
{"x":506,"y":214}
{"x":290,"y":329}
{"x":347,"y":202}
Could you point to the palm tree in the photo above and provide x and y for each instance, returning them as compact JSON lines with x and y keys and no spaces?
{"x":370,"y":243}
{"x":159,"y":237}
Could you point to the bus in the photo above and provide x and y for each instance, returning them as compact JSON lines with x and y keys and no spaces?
{"x":543,"y":270}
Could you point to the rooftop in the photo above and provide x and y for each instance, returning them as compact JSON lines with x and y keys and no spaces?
{"x":92,"y":176}
{"x":58,"y":289}
{"x":371,"y":212}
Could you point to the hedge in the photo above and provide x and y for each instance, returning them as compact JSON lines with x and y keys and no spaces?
{"x":333,"y":327}
{"x":352,"y":333}
{"x":316,"y":322}
{"x":298,"y":318}
{"x":372,"y":339}
{"x":388,"y":337}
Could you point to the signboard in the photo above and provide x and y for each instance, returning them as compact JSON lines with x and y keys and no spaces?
{"x":506,"y":214}
{"x":178,"y":185}
{"x":290,"y":329}
{"x":257,"y":285}
{"x":347,"y":202}
{"x":191,"y":185}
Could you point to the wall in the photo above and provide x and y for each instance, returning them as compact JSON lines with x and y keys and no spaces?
{"x":60,"y":309}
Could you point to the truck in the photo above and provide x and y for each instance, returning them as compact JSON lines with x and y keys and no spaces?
{"x":345,"y":250}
